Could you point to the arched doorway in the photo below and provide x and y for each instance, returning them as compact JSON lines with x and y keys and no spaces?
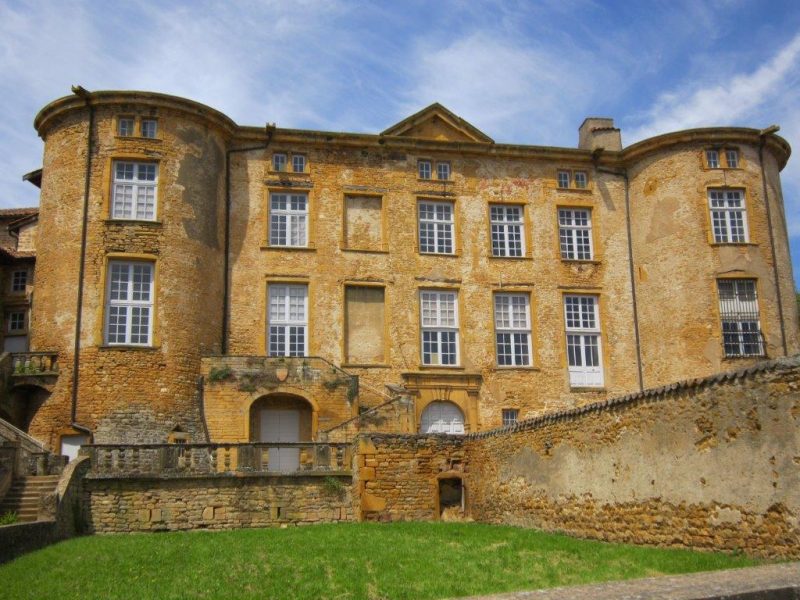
{"x":23,"y":402}
{"x":281,"y":418}
{"x":442,"y":417}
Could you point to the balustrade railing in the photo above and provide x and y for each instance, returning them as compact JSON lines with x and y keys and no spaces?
{"x":34,"y":363}
{"x":213,"y":459}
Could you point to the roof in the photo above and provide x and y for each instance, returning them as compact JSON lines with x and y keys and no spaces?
{"x":451,"y":126}
{"x":19,"y":212}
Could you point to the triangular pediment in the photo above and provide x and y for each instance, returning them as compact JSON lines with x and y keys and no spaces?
{"x":437,"y":123}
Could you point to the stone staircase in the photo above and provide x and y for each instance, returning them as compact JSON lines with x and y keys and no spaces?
{"x":23,"y":498}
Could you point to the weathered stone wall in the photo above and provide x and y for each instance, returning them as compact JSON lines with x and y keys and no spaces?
{"x":219,"y":502}
{"x":397,"y":475}
{"x":712,"y":464}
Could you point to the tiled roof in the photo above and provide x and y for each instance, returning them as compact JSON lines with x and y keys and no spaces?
{"x":19,"y":211}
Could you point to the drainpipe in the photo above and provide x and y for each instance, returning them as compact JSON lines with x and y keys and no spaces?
{"x":82,"y":93}
{"x":624,"y":174}
{"x":763,"y":140}
{"x":269,"y":130}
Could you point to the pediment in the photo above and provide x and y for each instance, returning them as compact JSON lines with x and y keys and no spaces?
{"x":438,"y":123}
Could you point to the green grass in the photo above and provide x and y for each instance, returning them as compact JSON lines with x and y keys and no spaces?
{"x":399,"y":560}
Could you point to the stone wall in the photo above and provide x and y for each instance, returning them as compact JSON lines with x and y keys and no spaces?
{"x":397,"y":476}
{"x":711,"y":463}
{"x":215,"y":502}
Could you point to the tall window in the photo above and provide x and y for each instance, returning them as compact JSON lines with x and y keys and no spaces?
{"x":732,"y":158}
{"x":507,"y":230}
{"x":298,"y":163}
{"x":512,"y":324}
{"x":133,"y":194}
{"x":712,"y":159}
{"x":279,"y":161}
{"x":288,"y":320}
{"x":443,"y":171}
{"x":738,"y":308}
{"x":510,"y":416}
{"x":129,"y":304}
{"x":563,"y":179}
{"x":19,"y":281}
{"x":575,"y":233}
{"x":439,"y":327}
{"x":581,"y":180}
{"x":125,"y":126}
{"x":436,"y":227}
{"x":584,"y":354}
{"x":16,"y":321}
{"x":728,"y":216}
{"x":149,"y":128}
{"x":288,"y":220}
{"x":424,"y":169}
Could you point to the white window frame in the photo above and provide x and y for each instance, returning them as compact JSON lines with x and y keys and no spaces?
{"x":510,"y":416}
{"x":581,"y":180}
{"x":288,"y":224}
{"x":126,"y":126}
{"x":148,"y":128}
{"x":583,"y":340}
{"x":131,"y":302}
{"x":728,"y":216}
{"x":298,"y":163}
{"x":19,"y":281}
{"x":437,"y":222}
{"x":10,"y":318}
{"x":732,"y":153}
{"x":712,"y":159}
{"x":443,"y":171}
{"x":740,"y":318}
{"x":424,"y":169}
{"x":438,"y":310}
{"x":563,"y":179}
{"x":134,"y":198}
{"x":287,"y":319}
{"x":512,"y":328}
{"x":507,"y":230}
{"x":280,"y":162}
{"x":575,"y":233}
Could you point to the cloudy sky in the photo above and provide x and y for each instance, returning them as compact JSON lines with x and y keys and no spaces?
{"x":523,"y":72}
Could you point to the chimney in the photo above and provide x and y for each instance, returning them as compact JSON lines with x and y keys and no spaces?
{"x":599,"y":132}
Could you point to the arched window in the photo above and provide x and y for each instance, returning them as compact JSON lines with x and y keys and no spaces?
{"x":442,"y":417}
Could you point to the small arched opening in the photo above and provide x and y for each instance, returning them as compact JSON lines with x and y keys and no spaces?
{"x":442,"y":417}
{"x":24,"y":401}
{"x":281,"y":419}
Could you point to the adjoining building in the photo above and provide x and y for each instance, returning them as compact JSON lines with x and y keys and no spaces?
{"x":198,"y":280}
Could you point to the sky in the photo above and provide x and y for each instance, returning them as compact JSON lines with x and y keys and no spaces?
{"x":522,"y":72}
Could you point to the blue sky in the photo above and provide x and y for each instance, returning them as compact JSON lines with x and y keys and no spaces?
{"x":523,"y":72}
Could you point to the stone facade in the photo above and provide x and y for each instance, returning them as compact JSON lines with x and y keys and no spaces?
{"x":213,"y":246}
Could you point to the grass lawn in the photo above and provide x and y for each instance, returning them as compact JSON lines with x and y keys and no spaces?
{"x":399,"y":560}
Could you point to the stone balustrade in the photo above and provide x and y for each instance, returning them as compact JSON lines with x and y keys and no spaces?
{"x":168,"y":460}
{"x":34,"y":363}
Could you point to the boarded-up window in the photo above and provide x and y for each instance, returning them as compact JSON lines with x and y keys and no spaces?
{"x":363,"y":223}
{"x":364,"y":342}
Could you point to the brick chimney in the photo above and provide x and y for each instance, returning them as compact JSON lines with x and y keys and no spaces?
{"x":599,"y":132}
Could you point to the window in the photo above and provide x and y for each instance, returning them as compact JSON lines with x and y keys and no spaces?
{"x":728,"y":216}
{"x":563,"y":179}
{"x":129,"y":304}
{"x":298,"y":163}
{"x":279,"y":162}
{"x":133,"y":194}
{"x":580,"y":180}
{"x":512,"y":324}
{"x":583,"y":341}
{"x":288,"y":320}
{"x":439,"y":327}
{"x":507,"y":230}
{"x":575,"y":233}
{"x":714,"y":156}
{"x":288,"y":220}
{"x":436,"y":227}
{"x":738,"y":308}
{"x":19,"y":281}
{"x":125,"y":126}
{"x":443,"y":171}
{"x":712,"y":159}
{"x":149,"y":127}
{"x":424,"y":169}
{"x":16,"y":321}
{"x":732,"y":158}
{"x":510,"y":416}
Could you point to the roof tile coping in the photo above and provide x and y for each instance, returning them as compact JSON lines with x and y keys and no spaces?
{"x":661,"y":392}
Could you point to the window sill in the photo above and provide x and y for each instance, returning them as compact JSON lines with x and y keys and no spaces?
{"x":128,"y":347}
{"x":16,"y":333}
{"x":500,"y":369}
{"x":365,"y":366}
{"x":722,"y":244}
{"x":298,"y":173}
{"x":364,"y":250}
{"x":707,"y":168}
{"x":584,"y":389}
{"x":745,"y":357}
{"x":431,"y":180}
{"x":526,"y":257}
{"x":133,"y":222}
{"x":442,"y":254}
{"x":575,"y":261}
{"x":441,"y":367}
{"x":586,"y":190}
{"x":139,"y":138}
{"x":290,"y":248}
